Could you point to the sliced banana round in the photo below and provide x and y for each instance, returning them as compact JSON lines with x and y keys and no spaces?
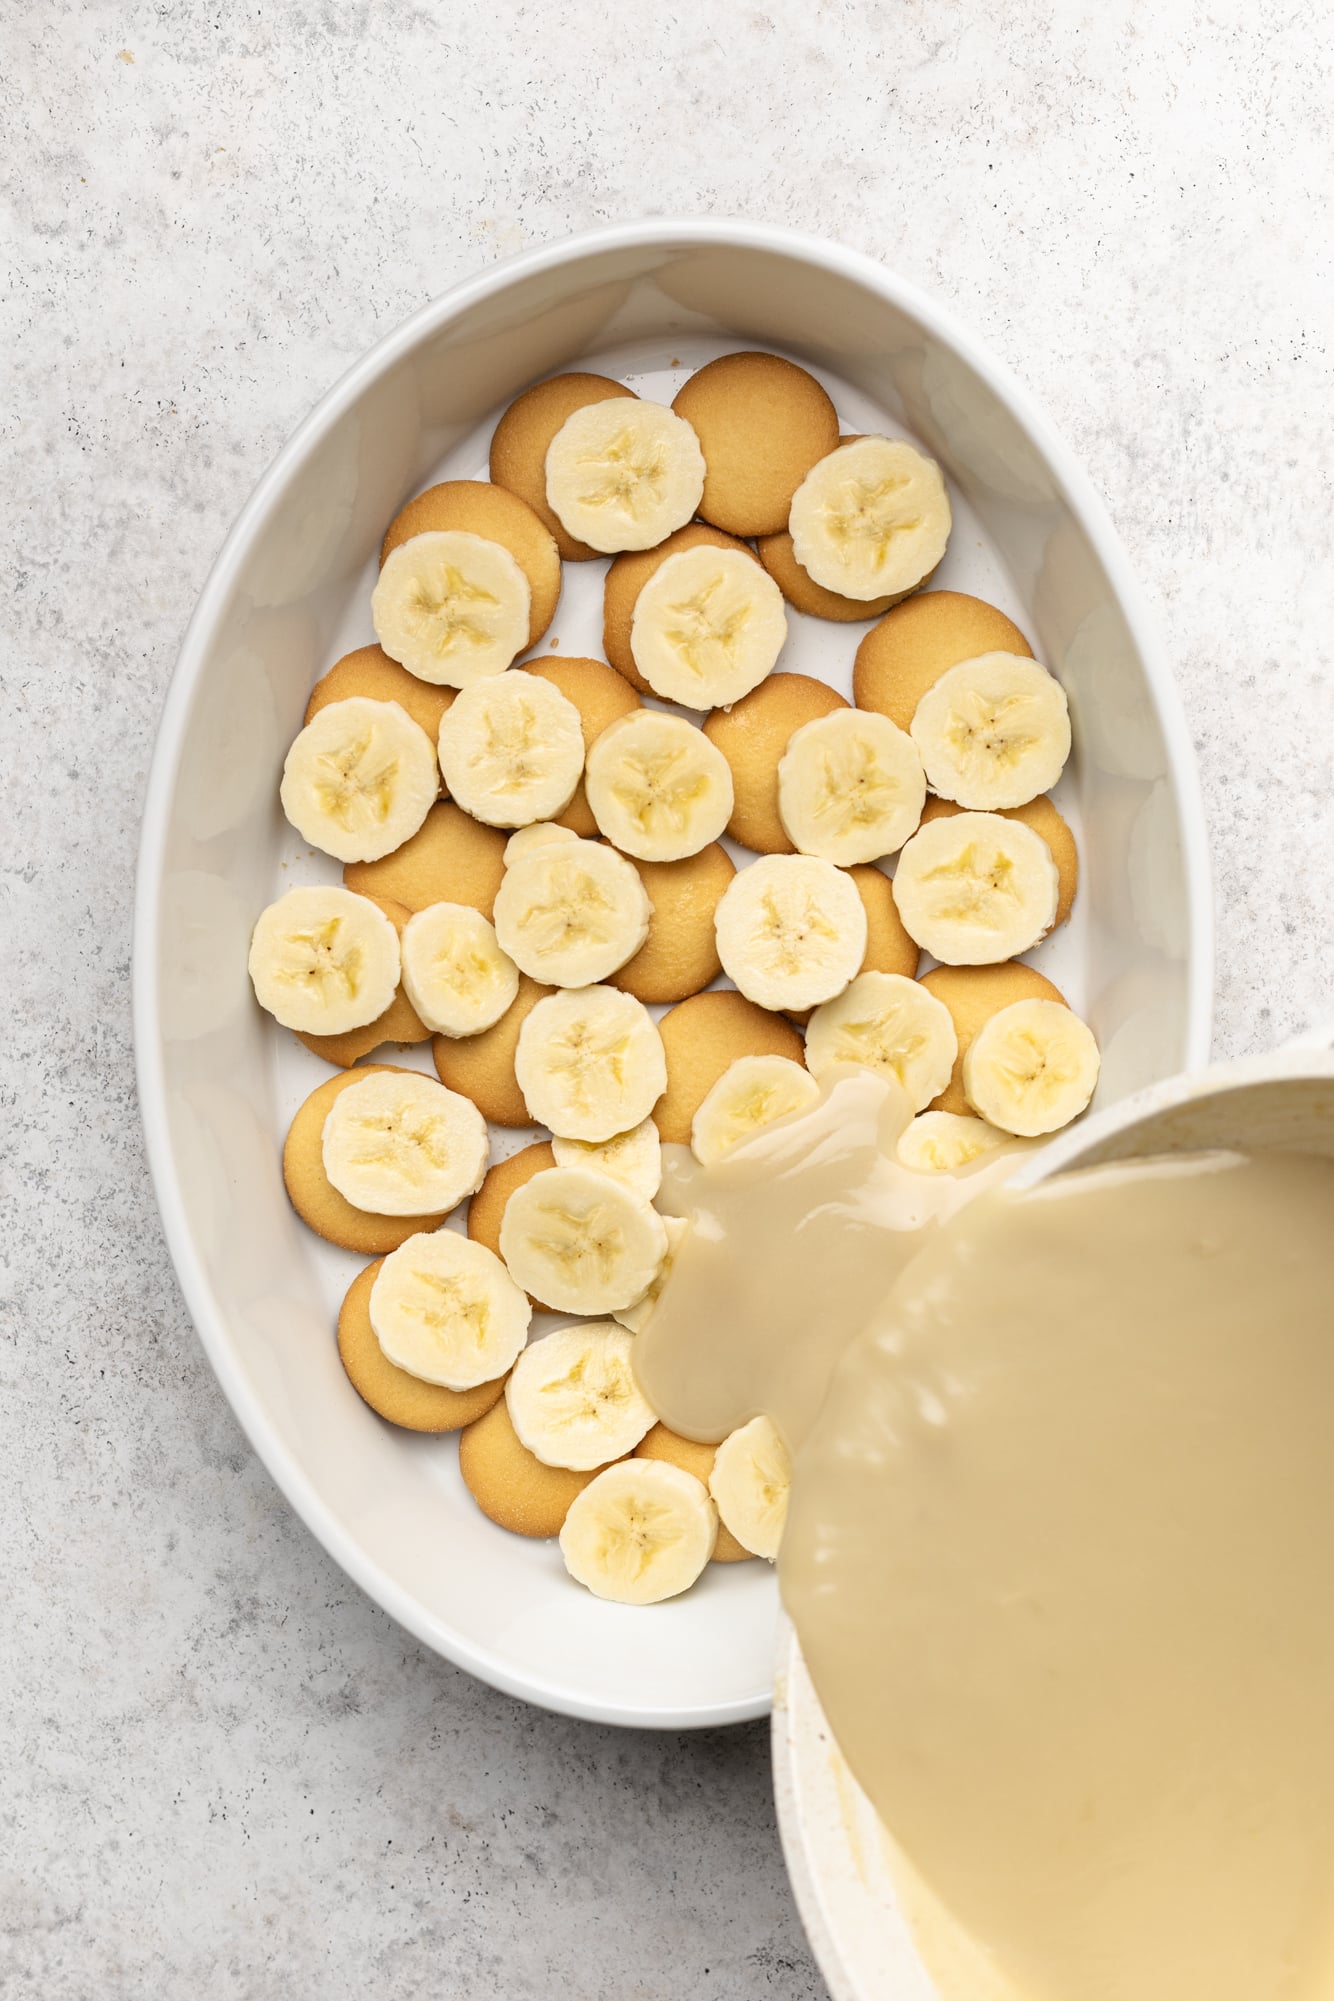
{"x":1031,"y":1068}
{"x":657,"y":787}
{"x":446,"y":1310}
{"x":791,"y":931}
{"x":872,"y":519}
{"x":573,"y":1399}
{"x":590,"y":1063}
{"x":581,"y":1242}
{"x":324,"y":960}
{"x":359,"y":779}
{"x":707,"y":627}
{"x":570,"y":912}
{"x":752,"y":1093}
{"x":993,"y":732}
{"x":640,"y":1532}
{"x":454,"y":972}
{"x":886,"y":1023}
{"x":511,"y":749}
{"x":637,"y":1317}
{"x":451,"y":607}
{"x":633,"y":1158}
{"x":943,"y":1142}
{"x":539,"y":835}
{"x":400,"y":1144}
{"x":974,"y":888}
{"x":750,"y":1484}
{"x":850,"y":787}
{"x":624,"y":474}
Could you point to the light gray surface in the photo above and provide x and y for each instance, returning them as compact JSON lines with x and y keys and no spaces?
{"x":224,"y":1773}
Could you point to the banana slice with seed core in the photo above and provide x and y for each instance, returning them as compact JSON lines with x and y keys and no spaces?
{"x":850,"y":787}
{"x":539,"y":835}
{"x":871,"y":520}
{"x":570,"y":912}
{"x":581,"y":1242}
{"x":973,"y":889}
{"x":890,"y":1024}
{"x":791,"y":931}
{"x":750,"y":1484}
{"x":657,"y":787}
{"x":446,"y":1310}
{"x":1031,"y":1068}
{"x":573,"y":1398}
{"x":400,"y":1144}
{"x":359,"y":779}
{"x":590,"y":1063}
{"x":451,"y":607}
{"x":993,"y":732}
{"x":640,"y":1532}
{"x":752,"y":1093}
{"x":511,"y":749}
{"x":633,"y":1158}
{"x":707,"y":627}
{"x":943,"y":1142}
{"x":454,"y":972}
{"x":324,"y":960}
{"x":624,"y":474}
{"x":637,"y":1317}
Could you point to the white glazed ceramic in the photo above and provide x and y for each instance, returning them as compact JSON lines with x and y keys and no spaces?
{"x":849,"y":1894}
{"x":290,"y":591}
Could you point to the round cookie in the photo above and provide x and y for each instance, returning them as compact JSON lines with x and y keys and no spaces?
{"x":680,"y":954}
{"x":487,"y":1207}
{"x":779,"y":557}
{"x":752,"y":735}
{"x":921,"y":639}
{"x":399,"y":1022}
{"x":1043,"y":818}
{"x":510,"y":1484}
{"x":697,"y":1459}
{"x":451,"y":858}
{"x":520,"y":441}
{"x":390,"y":1391}
{"x":370,"y":672}
{"x":601,"y":696}
{"x":973,"y":994}
{"x":889,"y":949}
{"x":702,"y":1036}
{"x":478,"y":508}
{"x":762,"y":423}
{"x":482,"y":1066}
{"x":314,"y":1197}
{"x":627,"y":577}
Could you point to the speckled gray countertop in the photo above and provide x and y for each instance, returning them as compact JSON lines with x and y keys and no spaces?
{"x":224,"y":1773}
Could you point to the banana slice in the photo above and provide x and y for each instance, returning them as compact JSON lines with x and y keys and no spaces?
{"x":993,"y":732}
{"x":451,"y":607}
{"x":359,"y":779}
{"x":637,"y":1317}
{"x":890,"y":1024}
{"x":750,"y":1483}
{"x":633,"y":1158}
{"x":791,"y":931}
{"x":570,"y":912}
{"x":454,"y":972}
{"x":400,"y":1144}
{"x":974,"y":889}
{"x":581,"y":1242}
{"x":657,"y":787}
{"x":871,"y":520}
{"x":707,"y":627}
{"x":640,"y":1532}
{"x":1031,"y":1068}
{"x":539,"y":835}
{"x":943,"y":1142}
{"x":752,"y":1093}
{"x":324,"y":960}
{"x":511,"y":750}
{"x":590,"y":1063}
{"x":573,"y":1399}
{"x":447,"y":1311}
{"x":624,"y":474}
{"x":850,"y":787}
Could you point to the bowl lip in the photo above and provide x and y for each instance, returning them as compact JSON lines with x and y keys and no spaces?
{"x":662,"y":234}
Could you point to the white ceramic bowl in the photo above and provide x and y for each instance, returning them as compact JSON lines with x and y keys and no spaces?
{"x":291,"y":587}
